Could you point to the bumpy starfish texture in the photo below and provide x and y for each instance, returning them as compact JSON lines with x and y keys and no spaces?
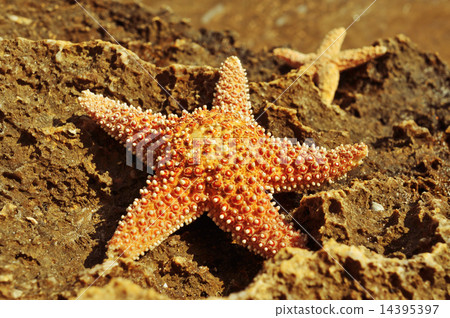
{"x":330,"y":61}
{"x":218,"y":160}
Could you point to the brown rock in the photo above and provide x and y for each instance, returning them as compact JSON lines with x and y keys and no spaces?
{"x":410,"y":222}
{"x":340,"y":271}
{"x":64,"y":183}
{"x":119,"y":288}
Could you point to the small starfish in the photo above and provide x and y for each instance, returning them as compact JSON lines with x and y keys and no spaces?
{"x":330,"y":61}
{"x":217,"y":160}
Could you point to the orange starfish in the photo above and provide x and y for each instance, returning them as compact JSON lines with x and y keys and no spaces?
{"x":217,"y":160}
{"x":328,"y":61}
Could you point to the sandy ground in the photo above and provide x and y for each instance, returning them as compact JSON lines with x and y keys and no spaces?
{"x":301,"y":24}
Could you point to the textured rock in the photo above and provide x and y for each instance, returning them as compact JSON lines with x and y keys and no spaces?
{"x":119,"y":288}
{"x":410,"y":222}
{"x":64,"y":184}
{"x":302,"y":274}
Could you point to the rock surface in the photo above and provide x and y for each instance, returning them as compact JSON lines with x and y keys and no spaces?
{"x":339,"y":271}
{"x":64,"y":183}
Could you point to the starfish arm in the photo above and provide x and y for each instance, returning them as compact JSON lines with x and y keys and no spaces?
{"x":119,"y":120}
{"x":328,"y":81}
{"x":163,"y":208}
{"x":332,"y":43}
{"x":352,"y":58}
{"x":302,"y":166}
{"x":232,"y":93}
{"x":293,"y":58}
{"x":247,"y":212}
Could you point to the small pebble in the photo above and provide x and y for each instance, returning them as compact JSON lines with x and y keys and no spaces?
{"x":32,"y":220}
{"x":377,"y":207}
{"x":72,"y":131}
